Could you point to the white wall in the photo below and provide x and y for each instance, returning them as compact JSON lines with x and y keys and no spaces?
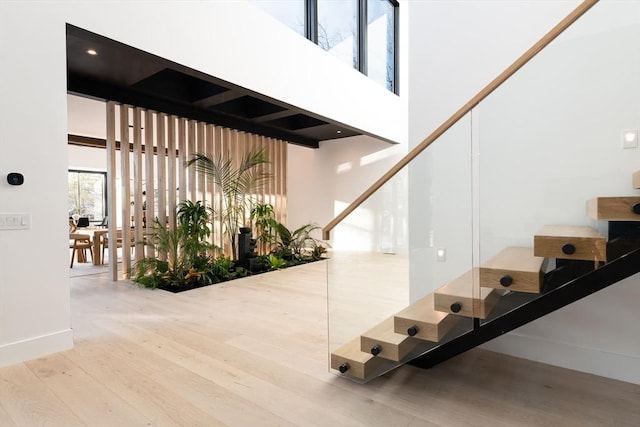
{"x":230,"y":40}
{"x":539,"y":147}
{"x":322,"y":183}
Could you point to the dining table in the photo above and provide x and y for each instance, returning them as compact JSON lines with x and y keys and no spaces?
{"x":96,"y":238}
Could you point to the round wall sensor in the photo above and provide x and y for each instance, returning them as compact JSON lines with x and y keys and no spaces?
{"x":15,"y":178}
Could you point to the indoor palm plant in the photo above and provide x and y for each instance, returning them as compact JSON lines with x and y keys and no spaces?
{"x":238,"y":184}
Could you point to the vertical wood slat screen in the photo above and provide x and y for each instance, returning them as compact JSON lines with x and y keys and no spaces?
{"x":137,"y":184}
{"x":111,"y":187}
{"x":150,"y":175}
{"x":125,"y":190}
{"x":167,"y":142}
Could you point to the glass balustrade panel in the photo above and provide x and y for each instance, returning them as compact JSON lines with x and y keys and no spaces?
{"x":391,"y":256}
{"x":549,"y":141}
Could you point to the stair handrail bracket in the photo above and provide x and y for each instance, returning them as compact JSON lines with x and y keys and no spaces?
{"x":564,"y":24}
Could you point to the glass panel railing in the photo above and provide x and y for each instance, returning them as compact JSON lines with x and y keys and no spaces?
{"x":378,"y":319}
{"x":550,"y":140}
{"x":525,"y":193}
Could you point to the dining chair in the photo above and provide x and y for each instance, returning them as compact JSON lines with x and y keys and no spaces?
{"x":119,"y":240}
{"x":79,"y":243}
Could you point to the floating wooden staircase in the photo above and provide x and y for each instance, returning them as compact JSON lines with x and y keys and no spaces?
{"x":513,"y":288}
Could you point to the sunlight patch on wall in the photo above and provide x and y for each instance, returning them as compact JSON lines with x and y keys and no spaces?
{"x":378,"y":156}
{"x":344,"y":167}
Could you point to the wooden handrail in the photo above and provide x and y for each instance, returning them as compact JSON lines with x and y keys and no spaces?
{"x":466,"y":108}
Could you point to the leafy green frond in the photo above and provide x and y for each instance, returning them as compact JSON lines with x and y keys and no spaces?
{"x":237,"y":184}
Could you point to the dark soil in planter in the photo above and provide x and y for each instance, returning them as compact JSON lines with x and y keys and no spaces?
{"x":187,"y":287}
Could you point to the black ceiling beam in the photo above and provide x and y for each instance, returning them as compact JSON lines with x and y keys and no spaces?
{"x":274,"y":116}
{"x":85,"y":86}
{"x":218,"y":99}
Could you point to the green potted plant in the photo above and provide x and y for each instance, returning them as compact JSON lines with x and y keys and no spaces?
{"x":185,"y":254}
{"x":261,"y":217}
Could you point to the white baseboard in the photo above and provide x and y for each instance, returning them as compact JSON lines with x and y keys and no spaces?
{"x":33,"y":348}
{"x":595,"y":361}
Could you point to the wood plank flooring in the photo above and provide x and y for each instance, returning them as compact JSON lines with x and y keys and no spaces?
{"x":253,"y":352}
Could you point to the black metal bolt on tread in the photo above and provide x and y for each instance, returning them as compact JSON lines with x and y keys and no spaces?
{"x":568,"y":249}
{"x":344,"y":367}
{"x":636,"y":209}
{"x":456,"y":307}
{"x":376,"y":349}
{"x":412,"y":331}
{"x":506,"y":281}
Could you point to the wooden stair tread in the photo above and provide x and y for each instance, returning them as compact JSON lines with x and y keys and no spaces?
{"x":361,"y":365}
{"x":476,"y":301}
{"x":431,"y":325}
{"x":393,"y":346}
{"x":463,"y":286}
{"x":587,"y":243}
{"x":636,"y":180}
{"x":578,"y":231}
{"x":613,"y":208}
{"x":520,"y":265}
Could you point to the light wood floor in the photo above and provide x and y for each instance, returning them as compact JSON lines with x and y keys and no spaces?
{"x":254,"y":353}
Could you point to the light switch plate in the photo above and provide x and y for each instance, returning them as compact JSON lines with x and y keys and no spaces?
{"x":15,"y":221}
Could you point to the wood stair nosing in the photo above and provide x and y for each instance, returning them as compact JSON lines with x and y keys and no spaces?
{"x":426,"y":323}
{"x":623,"y":208}
{"x":570,"y":242}
{"x":515,"y":269}
{"x":636,"y":180}
{"x":389,"y":344}
{"x":349,"y":360}
{"x":463,"y":297}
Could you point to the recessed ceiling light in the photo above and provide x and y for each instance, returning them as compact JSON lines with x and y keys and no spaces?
{"x":92,"y":52}
{"x":339,"y":131}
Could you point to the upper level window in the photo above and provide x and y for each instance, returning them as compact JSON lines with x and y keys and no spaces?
{"x":380,"y":42}
{"x":289,"y":12}
{"x":338,"y":29}
{"x":362,"y":33}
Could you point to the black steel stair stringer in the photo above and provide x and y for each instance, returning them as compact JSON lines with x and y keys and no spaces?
{"x":572,"y":291}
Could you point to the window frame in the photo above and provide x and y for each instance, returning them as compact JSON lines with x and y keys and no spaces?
{"x":105,"y":192}
{"x":311,"y":33}
{"x":311,"y":12}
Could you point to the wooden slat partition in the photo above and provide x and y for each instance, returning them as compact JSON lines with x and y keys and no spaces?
{"x":169,"y":192}
{"x":201,"y":148}
{"x":138,"y":177}
{"x":464,"y":110}
{"x":125,"y":183}
{"x":191,"y":172}
{"x":209,"y":151}
{"x":153,"y":174}
{"x":217,"y":200}
{"x":111,"y":187}
{"x":182,"y":172}
{"x":165,"y":137}
{"x":150,"y":176}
